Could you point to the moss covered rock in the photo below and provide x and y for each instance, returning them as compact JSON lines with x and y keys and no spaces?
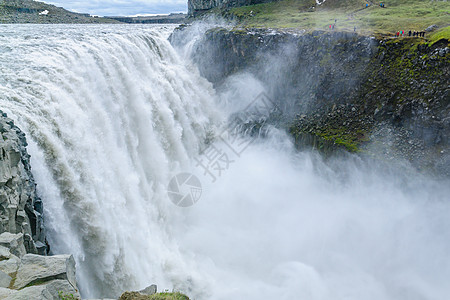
{"x":159,"y":296}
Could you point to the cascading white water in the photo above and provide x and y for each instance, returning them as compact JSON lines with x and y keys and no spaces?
{"x":112,"y":113}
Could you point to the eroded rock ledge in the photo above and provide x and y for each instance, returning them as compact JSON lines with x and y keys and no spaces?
{"x":25,"y":270}
{"x":21,"y":210}
{"x":36,"y":277}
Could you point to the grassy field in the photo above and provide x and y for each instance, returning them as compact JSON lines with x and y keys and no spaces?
{"x":349,"y":14}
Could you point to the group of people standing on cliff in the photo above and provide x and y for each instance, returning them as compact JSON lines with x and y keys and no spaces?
{"x":381,"y":5}
{"x":402,"y":33}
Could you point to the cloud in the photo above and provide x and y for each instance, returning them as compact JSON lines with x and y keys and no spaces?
{"x":122,"y":7}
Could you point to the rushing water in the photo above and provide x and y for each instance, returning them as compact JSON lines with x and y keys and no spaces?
{"x":113,"y":112}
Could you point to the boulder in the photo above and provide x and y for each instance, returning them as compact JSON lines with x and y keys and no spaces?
{"x":4,"y":293}
{"x":14,"y":242}
{"x":10,"y":266}
{"x":141,"y":295}
{"x":35,"y":268}
{"x":150,"y":290}
{"x":5,"y":280}
{"x":41,"y":248}
{"x":4,"y":253}
{"x":29,"y":244}
{"x":52,"y":290}
{"x":431,"y":28}
{"x":133,"y":296}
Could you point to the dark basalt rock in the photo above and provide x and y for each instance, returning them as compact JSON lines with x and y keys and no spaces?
{"x":21,"y":209}
{"x":197,"y":7}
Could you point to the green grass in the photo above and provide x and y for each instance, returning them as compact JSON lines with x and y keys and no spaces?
{"x":36,"y":282}
{"x":64,"y":296}
{"x":443,"y":33}
{"x":349,"y":138}
{"x":341,"y":136}
{"x":159,"y":296}
{"x":306,"y":14}
{"x":13,"y":280}
{"x":168,"y":296}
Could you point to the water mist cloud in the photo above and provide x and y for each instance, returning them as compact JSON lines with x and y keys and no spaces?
{"x":289,"y":225}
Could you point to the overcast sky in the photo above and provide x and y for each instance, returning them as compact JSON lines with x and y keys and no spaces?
{"x":122,"y":7}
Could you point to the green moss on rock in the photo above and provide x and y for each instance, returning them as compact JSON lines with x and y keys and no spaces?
{"x":159,"y":296}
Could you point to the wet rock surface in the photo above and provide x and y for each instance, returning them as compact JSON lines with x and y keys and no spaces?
{"x":301,"y":71}
{"x":53,"y":290}
{"x":37,"y":268}
{"x":36,"y":277}
{"x":23,"y":273}
{"x":21,"y":210}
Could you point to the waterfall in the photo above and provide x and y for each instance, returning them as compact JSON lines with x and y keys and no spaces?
{"x":113,"y":112}
{"x":110,"y":114}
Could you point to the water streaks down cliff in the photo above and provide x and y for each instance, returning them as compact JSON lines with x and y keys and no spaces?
{"x":112,"y":113}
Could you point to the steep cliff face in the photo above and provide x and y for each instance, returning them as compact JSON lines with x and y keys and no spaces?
{"x":20,"y":208}
{"x":23,"y":274}
{"x":300,"y":72}
{"x":337,"y":90}
{"x":198,"y":6}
